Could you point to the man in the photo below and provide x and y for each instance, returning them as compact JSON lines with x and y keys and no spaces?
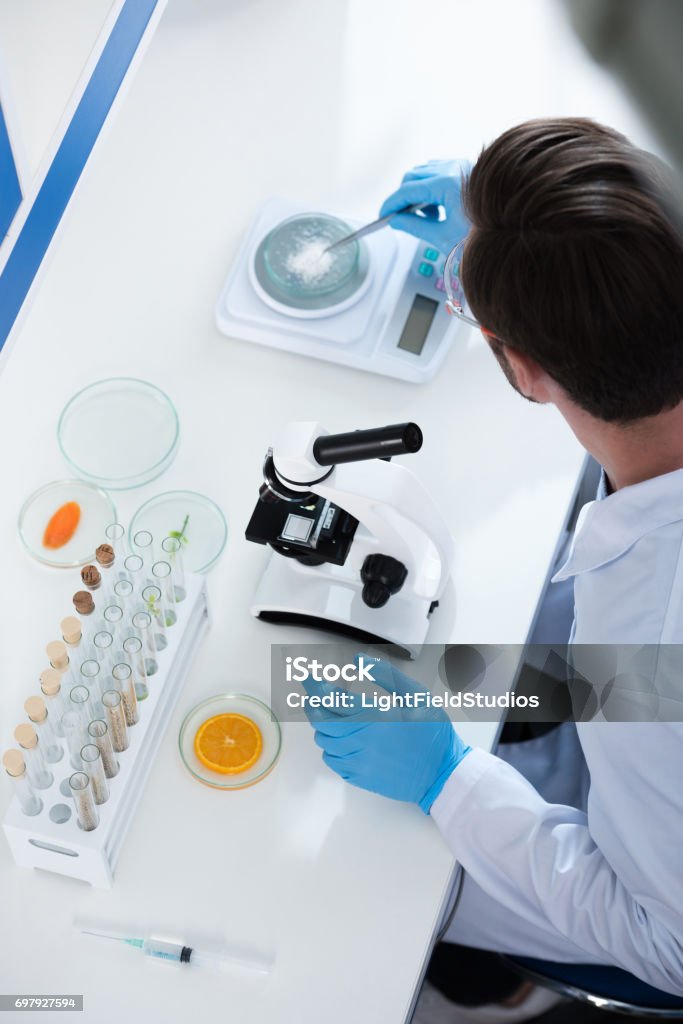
{"x":575,"y":273}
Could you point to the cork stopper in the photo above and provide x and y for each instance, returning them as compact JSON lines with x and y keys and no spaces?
{"x":35,"y":709}
{"x":71,"y":629}
{"x":50,"y":681}
{"x":83,"y":602}
{"x":91,"y":577}
{"x":26,"y":736}
{"x":57,"y":653}
{"x":105,"y":555}
{"x":14,"y":763}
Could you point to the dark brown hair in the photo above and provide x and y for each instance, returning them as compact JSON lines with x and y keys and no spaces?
{"x":573,"y":260}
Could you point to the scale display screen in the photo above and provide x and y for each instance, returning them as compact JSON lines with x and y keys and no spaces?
{"x":418,"y":322}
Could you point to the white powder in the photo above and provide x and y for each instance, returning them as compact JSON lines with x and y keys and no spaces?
{"x":309,"y":261}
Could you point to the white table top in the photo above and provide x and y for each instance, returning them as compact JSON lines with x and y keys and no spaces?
{"x":346,"y":887}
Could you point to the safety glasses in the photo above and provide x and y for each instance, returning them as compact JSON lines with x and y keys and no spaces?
{"x":456,"y":303}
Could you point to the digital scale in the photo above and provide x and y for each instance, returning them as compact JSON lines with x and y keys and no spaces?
{"x":393,"y":322}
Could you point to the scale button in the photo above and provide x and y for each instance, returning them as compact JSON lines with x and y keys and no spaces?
{"x":426,"y":269}
{"x":439,"y":284}
{"x":431,"y":254}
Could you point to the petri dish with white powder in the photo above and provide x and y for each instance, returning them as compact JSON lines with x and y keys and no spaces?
{"x":297,"y":260}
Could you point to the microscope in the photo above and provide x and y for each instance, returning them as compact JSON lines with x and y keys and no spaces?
{"x":359,"y":546}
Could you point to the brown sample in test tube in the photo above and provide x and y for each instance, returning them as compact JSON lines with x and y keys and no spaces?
{"x":83,"y":602}
{"x":112,"y":702}
{"x":91,"y":577}
{"x":105,"y":555}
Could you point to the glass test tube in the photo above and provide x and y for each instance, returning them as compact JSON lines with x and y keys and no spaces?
{"x":39,"y":775}
{"x":81,"y":791}
{"x":85,"y":606}
{"x":50,"y":744}
{"x":113,"y":616}
{"x":73,"y":637}
{"x":163,"y":578}
{"x":123,"y":593}
{"x":142,"y":624}
{"x":116,"y":719}
{"x":143,"y":545}
{"x":81,"y":701}
{"x":15,"y":766}
{"x":93,"y":677}
{"x":152,"y":597}
{"x":135,"y":573}
{"x":91,"y":578}
{"x":94,"y":768}
{"x":173,"y":548}
{"x":103,"y":646}
{"x":58,"y":655}
{"x":132,"y":648}
{"x":116,"y":536}
{"x":105,"y":556}
{"x":122,"y":675}
{"x":75,"y":735}
{"x":98,"y":733}
{"x":51,"y":689}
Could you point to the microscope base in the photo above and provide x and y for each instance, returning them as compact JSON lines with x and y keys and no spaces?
{"x":329,"y":597}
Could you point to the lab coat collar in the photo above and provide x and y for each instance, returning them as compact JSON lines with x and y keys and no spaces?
{"x":610,"y":525}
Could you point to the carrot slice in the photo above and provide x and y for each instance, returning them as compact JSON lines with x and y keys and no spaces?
{"x":62,"y":525}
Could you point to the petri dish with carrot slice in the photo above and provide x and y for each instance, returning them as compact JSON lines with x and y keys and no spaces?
{"x":63,"y":522}
{"x":230,"y":741}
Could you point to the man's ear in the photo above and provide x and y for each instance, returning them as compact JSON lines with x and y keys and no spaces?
{"x":531,"y":379}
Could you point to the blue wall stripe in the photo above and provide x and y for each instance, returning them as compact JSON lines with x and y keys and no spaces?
{"x":70,"y":159}
{"x":10,"y":189}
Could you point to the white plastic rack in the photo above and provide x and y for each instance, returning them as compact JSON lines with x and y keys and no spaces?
{"x":45,"y":841}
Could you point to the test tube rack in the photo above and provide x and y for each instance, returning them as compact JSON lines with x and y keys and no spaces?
{"x":42,"y":841}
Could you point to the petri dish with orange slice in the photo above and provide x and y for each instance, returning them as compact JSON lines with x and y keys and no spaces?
{"x":230,"y":741}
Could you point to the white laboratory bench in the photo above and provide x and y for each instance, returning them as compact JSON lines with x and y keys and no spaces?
{"x":347,"y":888}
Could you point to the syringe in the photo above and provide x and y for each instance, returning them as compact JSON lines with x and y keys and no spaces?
{"x":176,"y":952}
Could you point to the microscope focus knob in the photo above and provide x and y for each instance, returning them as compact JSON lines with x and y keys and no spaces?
{"x":382,"y":576}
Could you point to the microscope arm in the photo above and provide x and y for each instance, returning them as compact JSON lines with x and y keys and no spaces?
{"x":400,"y":516}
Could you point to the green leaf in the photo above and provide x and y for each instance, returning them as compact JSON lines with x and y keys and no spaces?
{"x":180,"y":534}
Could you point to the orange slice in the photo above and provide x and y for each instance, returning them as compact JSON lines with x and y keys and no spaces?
{"x":228,"y":743}
{"x":62,"y":525}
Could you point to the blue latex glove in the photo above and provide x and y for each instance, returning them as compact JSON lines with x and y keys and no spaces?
{"x":408,"y":759}
{"x":438,"y":184}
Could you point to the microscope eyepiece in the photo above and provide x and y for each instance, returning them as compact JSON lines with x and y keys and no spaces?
{"x":359,"y":445}
{"x":274,"y":489}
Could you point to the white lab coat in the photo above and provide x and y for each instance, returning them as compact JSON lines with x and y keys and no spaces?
{"x":578,"y":855}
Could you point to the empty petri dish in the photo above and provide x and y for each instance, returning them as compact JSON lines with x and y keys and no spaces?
{"x":119,"y":433}
{"x":238,"y":708}
{"x":95,"y":512}
{"x":197,"y":519}
{"x":293,"y":266}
